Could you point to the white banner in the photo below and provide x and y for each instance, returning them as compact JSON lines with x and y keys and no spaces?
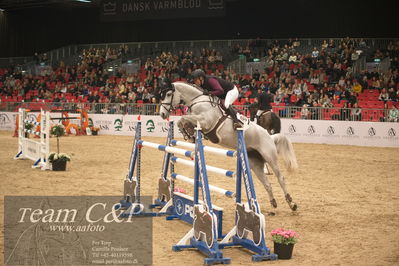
{"x":7,"y":120}
{"x":302,"y":131}
{"x":342,"y":132}
{"x":152,"y":126}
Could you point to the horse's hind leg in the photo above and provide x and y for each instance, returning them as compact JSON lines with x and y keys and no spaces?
{"x":266,"y":169}
{"x":281,"y":180}
{"x":257,"y":164}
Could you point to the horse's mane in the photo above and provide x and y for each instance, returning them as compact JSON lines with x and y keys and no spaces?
{"x":192,"y":85}
{"x":211,"y":98}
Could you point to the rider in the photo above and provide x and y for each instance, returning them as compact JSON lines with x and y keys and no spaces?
{"x":221,"y":88}
{"x":264,"y":100}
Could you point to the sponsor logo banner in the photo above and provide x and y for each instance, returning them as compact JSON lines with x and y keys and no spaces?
{"x":122,"y":10}
{"x":342,"y":132}
{"x":7,"y":120}
{"x":153,"y":126}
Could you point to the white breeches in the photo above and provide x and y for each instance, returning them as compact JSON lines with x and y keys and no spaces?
{"x":231,"y":96}
{"x":259,"y":112}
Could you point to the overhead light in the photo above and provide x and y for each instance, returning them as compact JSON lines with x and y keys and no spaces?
{"x":1,"y":10}
{"x":84,"y":1}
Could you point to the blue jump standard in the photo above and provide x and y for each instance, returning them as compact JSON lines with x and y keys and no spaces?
{"x":214,"y":256}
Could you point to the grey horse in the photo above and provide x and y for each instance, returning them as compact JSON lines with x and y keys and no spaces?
{"x":261,"y":147}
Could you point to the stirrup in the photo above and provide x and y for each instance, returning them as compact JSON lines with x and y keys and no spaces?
{"x":237,"y":125}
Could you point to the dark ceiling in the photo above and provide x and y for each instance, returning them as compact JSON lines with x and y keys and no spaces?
{"x":14,"y":5}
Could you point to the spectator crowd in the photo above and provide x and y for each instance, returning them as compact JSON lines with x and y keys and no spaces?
{"x":324,"y":77}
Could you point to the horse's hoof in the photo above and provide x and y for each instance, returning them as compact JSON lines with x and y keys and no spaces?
{"x":288,"y":197}
{"x":189,"y":129}
{"x":294,"y":207}
{"x":273,"y":202}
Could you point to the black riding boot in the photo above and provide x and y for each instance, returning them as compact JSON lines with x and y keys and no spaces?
{"x":233,"y":114}
{"x":257,"y":119}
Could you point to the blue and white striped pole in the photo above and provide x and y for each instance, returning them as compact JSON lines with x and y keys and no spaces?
{"x":209,"y":168}
{"x":161,"y":147}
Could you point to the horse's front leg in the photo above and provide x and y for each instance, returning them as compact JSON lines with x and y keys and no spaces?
{"x":187,"y":125}
{"x":187,"y":129}
{"x":194,"y":119}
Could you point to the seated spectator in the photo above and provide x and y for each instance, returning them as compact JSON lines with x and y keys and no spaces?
{"x":375,"y":83}
{"x":292,"y":58}
{"x":324,"y":45}
{"x":296,"y":43}
{"x":384,"y":96}
{"x":305,"y":114}
{"x":344,"y":113}
{"x":146,"y":96}
{"x":279,"y":97}
{"x":315,"y":80}
{"x":326,"y":102}
{"x":393,"y":114}
{"x":341,"y":81}
{"x":357,"y":88}
{"x":315,"y":53}
{"x":351,"y":98}
{"x":356,"y":112}
{"x":94,"y":97}
{"x":393,"y":95}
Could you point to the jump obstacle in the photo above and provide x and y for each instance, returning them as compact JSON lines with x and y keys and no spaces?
{"x":206,"y":231}
{"x":65,"y":119}
{"x":38,"y":151}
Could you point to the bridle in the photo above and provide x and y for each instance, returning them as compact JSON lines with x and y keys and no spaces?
{"x":169,"y":106}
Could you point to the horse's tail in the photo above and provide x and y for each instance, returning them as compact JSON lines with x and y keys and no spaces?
{"x":276,"y":123}
{"x":285,"y":149}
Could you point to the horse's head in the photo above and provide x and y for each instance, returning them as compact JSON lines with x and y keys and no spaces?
{"x":170,"y":98}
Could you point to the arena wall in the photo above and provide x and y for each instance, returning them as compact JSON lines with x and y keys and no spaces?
{"x":376,"y":134}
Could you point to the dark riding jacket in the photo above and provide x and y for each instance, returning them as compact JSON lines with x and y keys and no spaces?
{"x":217,"y":86}
{"x":264,"y":100}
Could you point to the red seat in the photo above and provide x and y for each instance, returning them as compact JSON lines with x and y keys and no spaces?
{"x":297,"y":115}
{"x":327,"y":114}
{"x":247,"y":93}
{"x":365,"y":115}
{"x":237,"y":102}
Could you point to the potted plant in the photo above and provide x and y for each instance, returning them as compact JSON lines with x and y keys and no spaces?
{"x":94,"y":130}
{"x":28,"y":126}
{"x":284,"y":241}
{"x":58,"y":160}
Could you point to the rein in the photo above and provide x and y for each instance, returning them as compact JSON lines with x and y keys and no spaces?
{"x":211,"y":101}
{"x":169,"y":106}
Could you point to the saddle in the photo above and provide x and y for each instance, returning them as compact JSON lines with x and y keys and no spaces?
{"x":188,"y":129}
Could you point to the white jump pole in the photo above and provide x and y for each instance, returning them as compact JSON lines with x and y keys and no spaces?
{"x":209,"y":149}
{"x":213,"y":188}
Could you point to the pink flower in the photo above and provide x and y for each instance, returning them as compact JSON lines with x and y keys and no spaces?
{"x":287,"y":236}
